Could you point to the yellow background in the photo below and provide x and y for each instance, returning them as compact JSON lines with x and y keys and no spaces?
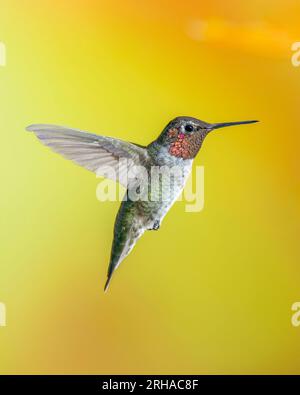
{"x":211,"y":292}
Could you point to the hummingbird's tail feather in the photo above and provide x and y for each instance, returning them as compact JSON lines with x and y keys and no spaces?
{"x":126,"y":234}
{"x":109,"y":276}
{"x":116,"y":258}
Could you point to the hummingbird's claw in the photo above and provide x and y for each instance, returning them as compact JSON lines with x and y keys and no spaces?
{"x":156,"y":225}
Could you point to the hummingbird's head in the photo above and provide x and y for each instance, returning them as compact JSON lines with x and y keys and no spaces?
{"x":184,"y":135}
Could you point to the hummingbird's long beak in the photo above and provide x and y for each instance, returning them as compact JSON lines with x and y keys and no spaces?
{"x":225,"y":124}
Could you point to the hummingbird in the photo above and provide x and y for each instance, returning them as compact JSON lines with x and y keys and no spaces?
{"x":176,"y":146}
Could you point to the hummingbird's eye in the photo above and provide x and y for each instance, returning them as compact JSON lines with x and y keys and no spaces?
{"x":189,"y":128}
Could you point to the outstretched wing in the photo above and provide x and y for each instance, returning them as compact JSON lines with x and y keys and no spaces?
{"x":105,"y":156}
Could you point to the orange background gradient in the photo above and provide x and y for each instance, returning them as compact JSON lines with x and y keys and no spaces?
{"x":211,"y":292}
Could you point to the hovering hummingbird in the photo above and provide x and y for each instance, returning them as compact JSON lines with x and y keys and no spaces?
{"x":177,"y":145}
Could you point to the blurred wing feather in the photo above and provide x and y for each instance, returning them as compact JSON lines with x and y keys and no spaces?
{"x":103,"y":155}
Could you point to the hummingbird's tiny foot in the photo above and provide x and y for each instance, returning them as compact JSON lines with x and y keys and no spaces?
{"x":156,"y":225}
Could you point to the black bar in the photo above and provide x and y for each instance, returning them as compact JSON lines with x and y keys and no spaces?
{"x":93,"y":384}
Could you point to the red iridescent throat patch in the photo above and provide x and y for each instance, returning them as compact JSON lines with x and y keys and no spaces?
{"x":184,"y":146}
